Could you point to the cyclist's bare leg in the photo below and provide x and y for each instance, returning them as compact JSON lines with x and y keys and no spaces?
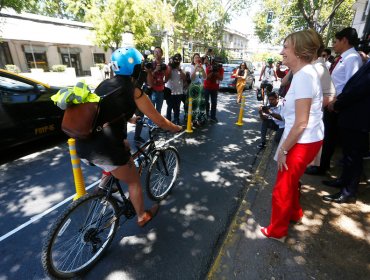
{"x":128,"y":174}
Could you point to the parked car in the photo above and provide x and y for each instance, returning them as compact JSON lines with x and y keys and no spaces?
{"x":229,"y":81}
{"x":26,"y":110}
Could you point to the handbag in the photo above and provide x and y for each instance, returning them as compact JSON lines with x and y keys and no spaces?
{"x":79,"y":120}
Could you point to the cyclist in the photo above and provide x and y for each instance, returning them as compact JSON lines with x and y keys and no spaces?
{"x":268,"y":73}
{"x":108,"y":148}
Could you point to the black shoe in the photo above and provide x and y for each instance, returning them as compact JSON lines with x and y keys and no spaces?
{"x":336,"y":183}
{"x":214,"y":120}
{"x":314,"y":170}
{"x":339,"y":198}
{"x":139,"y":140}
{"x":261,"y":145}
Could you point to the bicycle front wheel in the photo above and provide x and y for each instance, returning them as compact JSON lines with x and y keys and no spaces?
{"x":162,"y":173}
{"x":80,"y":236}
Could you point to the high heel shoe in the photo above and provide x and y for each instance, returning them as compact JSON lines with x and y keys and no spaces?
{"x":264,"y":232}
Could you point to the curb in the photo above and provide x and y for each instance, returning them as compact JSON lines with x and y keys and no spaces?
{"x":243,"y":211}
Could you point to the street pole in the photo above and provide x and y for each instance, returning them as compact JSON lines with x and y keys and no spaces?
{"x":166,"y":55}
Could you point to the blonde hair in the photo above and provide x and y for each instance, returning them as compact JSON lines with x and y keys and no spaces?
{"x":305,"y":43}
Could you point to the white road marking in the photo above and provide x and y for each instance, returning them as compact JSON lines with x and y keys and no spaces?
{"x":47,"y":211}
{"x":39,"y":216}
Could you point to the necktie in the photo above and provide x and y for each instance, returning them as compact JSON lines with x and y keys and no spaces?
{"x":334,"y":64}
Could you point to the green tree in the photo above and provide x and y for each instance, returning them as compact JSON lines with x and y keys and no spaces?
{"x":113,"y":18}
{"x":290,"y":16}
{"x":68,"y":9}
{"x":17,"y":5}
{"x":202,"y":22}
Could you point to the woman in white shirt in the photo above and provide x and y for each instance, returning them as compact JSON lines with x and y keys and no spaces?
{"x":303,"y":134}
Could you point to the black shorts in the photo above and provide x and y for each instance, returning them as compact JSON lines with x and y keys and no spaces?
{"x":265,"y":83}
{"x":104,"y":148}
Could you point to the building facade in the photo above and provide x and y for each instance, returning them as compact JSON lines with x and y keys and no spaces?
{"x":33,"y":41}
{"x":236,"y":43}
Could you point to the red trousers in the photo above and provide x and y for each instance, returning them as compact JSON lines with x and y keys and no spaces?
{"x":285,"y":195}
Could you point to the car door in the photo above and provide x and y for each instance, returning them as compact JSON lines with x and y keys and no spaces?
{"x":26,"y":111}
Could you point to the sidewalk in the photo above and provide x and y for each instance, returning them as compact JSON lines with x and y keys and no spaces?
{"x":332,"y":243}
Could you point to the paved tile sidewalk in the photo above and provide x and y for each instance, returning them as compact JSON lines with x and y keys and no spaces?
{"x":332,"y":243}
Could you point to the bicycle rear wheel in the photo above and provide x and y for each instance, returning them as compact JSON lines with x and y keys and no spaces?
{"x":162,"y":173}
{"x":80,"y":236}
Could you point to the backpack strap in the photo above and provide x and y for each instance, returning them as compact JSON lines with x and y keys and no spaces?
{"x":115,"y":120}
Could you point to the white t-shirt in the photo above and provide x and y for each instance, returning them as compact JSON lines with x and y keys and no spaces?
{"x":345,"y":68}
{"x":106,"y":68}
{"x":175,"y":83}
{"x":276,"y":110}
{"x":305,"y":84}
{"x":268,"y":74}
{"x":198,"y":79}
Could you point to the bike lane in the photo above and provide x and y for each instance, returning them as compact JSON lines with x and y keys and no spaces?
{"x":180,"y":242}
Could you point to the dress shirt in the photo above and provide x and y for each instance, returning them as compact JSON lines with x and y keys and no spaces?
{"x":345,"y":68}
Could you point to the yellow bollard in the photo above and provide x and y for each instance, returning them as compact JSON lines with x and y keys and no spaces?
{"x":76,"y":168}
{"x":189,"y":128}
{"x":241,"y":112}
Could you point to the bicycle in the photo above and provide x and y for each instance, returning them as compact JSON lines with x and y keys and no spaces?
{"x":83,"y":232}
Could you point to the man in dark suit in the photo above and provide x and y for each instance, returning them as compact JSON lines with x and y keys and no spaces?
{"x":353,"y":111}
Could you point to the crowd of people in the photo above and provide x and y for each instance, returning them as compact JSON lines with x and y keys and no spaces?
{"x":324,"y":100}
{"x":318,"y":97}
{"x":173,"y":84}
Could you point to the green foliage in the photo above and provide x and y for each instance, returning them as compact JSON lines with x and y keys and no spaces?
{"x":262,"y":57}
{"x":69,"y":9}
{"x":12,"y":68}
{"x":17,"y":5}
{"x":58,"y":68}
{"x":111,"y":18}
{"x":201,"y":22}
{"x":290,"y":16}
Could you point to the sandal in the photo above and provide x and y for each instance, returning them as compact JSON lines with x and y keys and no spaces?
{"x":149,"y":215}
{"x":266,"y":234}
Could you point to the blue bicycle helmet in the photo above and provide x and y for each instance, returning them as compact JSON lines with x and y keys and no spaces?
{"x":124,"y":61}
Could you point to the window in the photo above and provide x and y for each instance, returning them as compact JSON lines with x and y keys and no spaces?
{"x":37,"y":60}
{"x":13,"y":91}
{"x":5,"y":57}
{"x":99,"y":58}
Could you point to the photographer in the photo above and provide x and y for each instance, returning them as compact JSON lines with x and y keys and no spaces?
{"x":175,"y":83}
{"x":157,"y":76}
{"x":214,"y":74}
{"x":271,"y":118}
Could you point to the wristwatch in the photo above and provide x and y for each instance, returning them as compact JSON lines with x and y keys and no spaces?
{"x":284,"y":151}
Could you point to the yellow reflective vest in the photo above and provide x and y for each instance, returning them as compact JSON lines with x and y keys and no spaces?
{"x":78,"y":94}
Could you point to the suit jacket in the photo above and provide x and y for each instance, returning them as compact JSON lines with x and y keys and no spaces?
{"x":353,"y":104}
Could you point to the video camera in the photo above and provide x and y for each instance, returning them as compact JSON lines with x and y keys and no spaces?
{"x":265,"y":108}
{"x":216,"y":63}
{"x":175,"y":61}
{"x":149,"y":64}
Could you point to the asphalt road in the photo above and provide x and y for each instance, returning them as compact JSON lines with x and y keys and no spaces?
{"x":180,"y":242}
